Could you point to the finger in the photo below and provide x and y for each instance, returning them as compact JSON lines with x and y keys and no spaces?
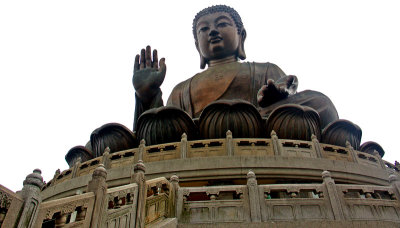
{"x":142,"y":59}
{"x":155,"y":59}
{"x":163,"y":67}
{"x":148,"y":56}
{"x":289,"y":81}
{"x":136,"y":66}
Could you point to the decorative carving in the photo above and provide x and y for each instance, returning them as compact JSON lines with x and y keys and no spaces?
{"x":238,"y":116}
{"x":164,"y":125}
{"x":5,"y":200}
{"x":340,"y":131}
{"x":369,"y":147}
{"x":113,"y":135}
{"x":294,"y":122}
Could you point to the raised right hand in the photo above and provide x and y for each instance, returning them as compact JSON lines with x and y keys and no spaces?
{"x":148,"y":74}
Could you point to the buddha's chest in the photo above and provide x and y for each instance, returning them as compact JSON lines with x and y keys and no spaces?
{"x":225,"y":83}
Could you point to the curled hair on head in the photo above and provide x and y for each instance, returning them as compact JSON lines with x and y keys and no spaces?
{"x":218,"y":8}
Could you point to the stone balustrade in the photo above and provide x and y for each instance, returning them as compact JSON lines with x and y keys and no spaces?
{"x":225,"y":147}
{"x":148,"y":203}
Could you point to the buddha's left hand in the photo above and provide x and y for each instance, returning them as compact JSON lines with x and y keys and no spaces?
{"x":275,"y":91}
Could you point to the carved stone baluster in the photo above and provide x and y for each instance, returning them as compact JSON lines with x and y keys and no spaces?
{"x":352,"y":152}
{"x":106,"y":158}
{"x":98,"y":186}
{"x":184,"y":146}
{"x":139,"y":178}
{"x":382,"y":164}
{"x":229,"y":143}
{"x":317,"y":146}
{"x":333,"y":196}
{"x":32,"y":199}
{"x":141,"y":151}
{"x":276,"y":144}
{"x":394,"y":181}
{"x":255,"y":212}
{"x":174,"y":186}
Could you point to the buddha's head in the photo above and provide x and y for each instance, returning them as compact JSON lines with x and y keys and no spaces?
{"x":219,"y":33}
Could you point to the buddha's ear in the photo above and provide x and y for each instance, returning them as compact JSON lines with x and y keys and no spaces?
{"x":202,"y":59}
{"x":241,"y":53}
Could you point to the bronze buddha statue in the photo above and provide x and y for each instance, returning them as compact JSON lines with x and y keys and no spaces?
{"x":219,"y":38}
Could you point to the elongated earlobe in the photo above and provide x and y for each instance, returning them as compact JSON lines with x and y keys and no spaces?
{"x":241,"y":53}
{"x":203,"y":61}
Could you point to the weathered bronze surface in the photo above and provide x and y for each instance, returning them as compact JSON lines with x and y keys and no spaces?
{"x":165,"y":124}
{"x":341,"y":131}
{"x":113,"y":135}
{"x":238,"y":116}
{"x":219,"y":38}
{"x":78,"y":153}
{"x":370,"y":147}
{"x":294,"y":122}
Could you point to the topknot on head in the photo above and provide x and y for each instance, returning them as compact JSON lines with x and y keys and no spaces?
{"x":219,"y":8}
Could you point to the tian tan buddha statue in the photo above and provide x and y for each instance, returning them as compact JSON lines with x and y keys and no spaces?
{"x":245,"y":99}
{"x":249,"y":99}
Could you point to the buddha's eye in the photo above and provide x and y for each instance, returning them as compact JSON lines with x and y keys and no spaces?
{"x":203,"y":29}
{"x":223,"y":24}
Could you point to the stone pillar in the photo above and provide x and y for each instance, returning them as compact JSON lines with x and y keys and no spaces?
{"x":106,"y":158}
{"x":276,"y":144}
{"x":139,"y":178}
{"x":352,"y":151}
{"x":317,"y":146}
{"x":139,"y":156}
{"x":333,"y":196}
{"x":255,"y":212}
{"x":184,"y":146}
{"x":381,"y":163}
{"x":394,"y":181}
{"x":98,"y":186}
{"x":31,"y":195}
{"x":229,"y":143}
{"x":173,"y":193}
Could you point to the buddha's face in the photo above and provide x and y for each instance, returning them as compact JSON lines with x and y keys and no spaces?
{"x":217,"y":36}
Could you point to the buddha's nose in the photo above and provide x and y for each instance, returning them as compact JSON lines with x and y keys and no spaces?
{"x":213,"y":32}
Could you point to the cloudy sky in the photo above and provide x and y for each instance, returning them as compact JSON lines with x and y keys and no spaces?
{"x":66,"y":66}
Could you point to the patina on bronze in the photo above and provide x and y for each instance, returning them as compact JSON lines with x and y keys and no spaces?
{"x":219,"y":38}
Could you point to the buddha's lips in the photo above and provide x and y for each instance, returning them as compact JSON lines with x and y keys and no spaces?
{"x":215,"y":39}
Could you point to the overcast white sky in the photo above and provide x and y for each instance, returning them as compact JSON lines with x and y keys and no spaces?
{"x":66,"y":66}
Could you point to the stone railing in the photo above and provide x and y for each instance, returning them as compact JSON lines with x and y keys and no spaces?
{"x":10,"y":206}
{"x":225,"y":147}
{"x":289,"y":202}
{"x":213,"y":204}
{"x":159,"y":201}
{"x":73,"y":211}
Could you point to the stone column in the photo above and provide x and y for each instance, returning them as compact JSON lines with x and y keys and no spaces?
{"x":333,"y":196}
{"x":139,"y":156}
{"x":394,"y":181}
{"x":381,"y":163}
{"x":98,"y":186}
{"x":173,"y":193}
{"x":139,"y":178}
{"x":317,"y":146}
{"x":184,"y":146}
{"x":352,"y":151}
{"x":255,"y":212}
{"x":76,"y":166}
{"x":106,"y":158}
{"x":31,"y":195}
{"x":229,"y":143}
{"x":276,"y":144}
